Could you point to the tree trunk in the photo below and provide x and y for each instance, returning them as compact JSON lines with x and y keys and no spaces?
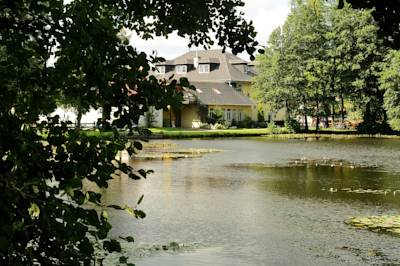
{"x":287,"y":110}
{"x":78,"y":119}
{"x":317,"y":122}
{"x":342,"y":108}
{"x":105,"y":116}
{"x":333,"y":91}
{"x":326,"y":120}
{"x":305,"y":124}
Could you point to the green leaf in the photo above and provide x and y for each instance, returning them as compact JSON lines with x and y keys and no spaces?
{"x":140,"y":199}
{"x":112,"y":246}
{"x":34,"y":211}
{"x":4,"y":244}
{"x":128,"y":239}
{"x":123,"y":259}
{"x":138,"y":145}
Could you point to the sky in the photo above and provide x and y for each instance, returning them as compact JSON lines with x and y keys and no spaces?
{"x":265,"y":14}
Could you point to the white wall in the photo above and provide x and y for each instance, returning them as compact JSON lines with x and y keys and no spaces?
{"x":91,"y":117}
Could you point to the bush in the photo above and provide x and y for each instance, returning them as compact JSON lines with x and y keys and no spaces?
{"x":245,"y":123}
{"x":272,"y":128}
{"x":234,"y":123}
{"x":218,"y":126}
{"x":372,"y":127}
{"x":293,"y":125}
{"x":262,"y":124}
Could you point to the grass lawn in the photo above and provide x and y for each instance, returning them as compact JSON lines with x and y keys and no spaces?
{"x":280,"y":132}
{"x":193,"y":133}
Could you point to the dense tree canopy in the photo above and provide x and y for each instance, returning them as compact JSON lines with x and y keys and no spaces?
{"x":390,"y":84}
{"x":387,"y":14}
{"x":321,"y":58}
{"x":48,"y":214}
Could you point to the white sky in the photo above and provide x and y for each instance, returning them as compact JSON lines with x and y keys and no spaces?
{"x":265,"y":14}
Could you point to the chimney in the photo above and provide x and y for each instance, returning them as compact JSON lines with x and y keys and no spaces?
{"x":196,"y":60}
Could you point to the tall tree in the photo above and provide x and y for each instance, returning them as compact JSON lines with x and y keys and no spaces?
{"x":47,"y":215}
{"x":328,"y":56}
{"x":390,"y":84}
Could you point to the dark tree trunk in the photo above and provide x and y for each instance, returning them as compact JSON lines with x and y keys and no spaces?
{"x":333,"y":76}
{"x":317,"y":122}
{"x":326,"y":120}
{"x":305,"y":123}
{"x":287,"y":110}
{"x":105,"y":116}
{"x":342,"y":108}
{"x":78,"y":119}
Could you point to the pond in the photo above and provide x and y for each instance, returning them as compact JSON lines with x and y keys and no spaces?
{"x":263,"y":202}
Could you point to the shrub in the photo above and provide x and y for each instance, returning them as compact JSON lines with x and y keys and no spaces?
{"x":245,"y":123}
{"x":373,"y":127}
{"x":218,"y":126}
{"x":272,"y":128}
{"x":262,"y":124}
{"x":293,"y":125}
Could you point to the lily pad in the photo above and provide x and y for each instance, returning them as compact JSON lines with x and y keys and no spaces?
{"x":380,"y":224}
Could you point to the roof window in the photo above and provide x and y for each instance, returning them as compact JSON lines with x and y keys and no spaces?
{"x":181,"y":69}
{"x":204,"y":68}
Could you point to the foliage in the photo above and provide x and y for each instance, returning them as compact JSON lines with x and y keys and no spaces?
{"x":390,"y":83}
{"x":321,"y":58}
{"x":272,"y":128}
{"x":293,"y":125}
{"x":202,"y":112}
{"x":217,"y":116}
{"x":386,"y":13}
{"x":246,"y":122}
{"x":79,"y":50}
{"x":218,"y":126}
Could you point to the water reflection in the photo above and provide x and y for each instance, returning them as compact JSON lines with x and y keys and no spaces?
{"x":244,"y":215}
{"x":332,"y":182}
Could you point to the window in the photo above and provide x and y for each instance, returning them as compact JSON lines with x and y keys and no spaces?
{"x":211,"y":112}
{"x":228,"y":116}
{"x":204,"y":68}
{"x":181,"y":69}
{"x":161,"y":69}
{"x":239,"y":116}
{"x":234,"y":114}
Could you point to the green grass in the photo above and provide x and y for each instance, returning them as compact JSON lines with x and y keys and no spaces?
{"x":277,"y":133}
{"x":281,"y":133}
{"x":206,"y":133}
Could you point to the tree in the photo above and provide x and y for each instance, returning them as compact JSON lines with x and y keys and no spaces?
{"x":386,"y":13}
{"x":324,"y":57}
{"x":390,"y":84}
{"x":48,"y":216}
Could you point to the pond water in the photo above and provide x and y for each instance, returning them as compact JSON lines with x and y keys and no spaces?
{"x":249,"y":205}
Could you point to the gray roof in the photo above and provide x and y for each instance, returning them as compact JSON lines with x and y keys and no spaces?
{"x":219,"y":94}
{"x":224,"y":67}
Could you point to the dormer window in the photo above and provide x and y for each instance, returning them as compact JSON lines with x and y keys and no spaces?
{"x":181,"y":69}
{"x":160,"y":69}
{"x":204,"y":68}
